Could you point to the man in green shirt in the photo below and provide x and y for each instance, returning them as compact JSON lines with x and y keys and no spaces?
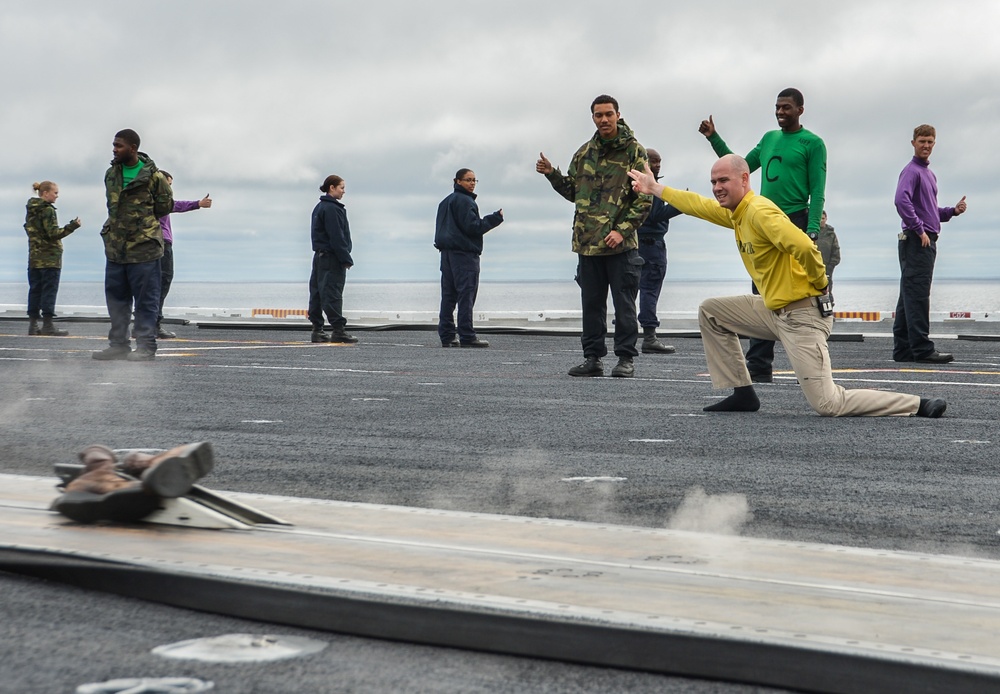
{"x":137,"y":196}
{"x":792,"y":161}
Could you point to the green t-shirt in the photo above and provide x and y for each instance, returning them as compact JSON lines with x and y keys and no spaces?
{"x":793,"y":170}
{"x":130,"y":172}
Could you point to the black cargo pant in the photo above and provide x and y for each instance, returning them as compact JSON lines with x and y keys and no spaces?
{"x":596,"y":274}
{"x":912,"y":323}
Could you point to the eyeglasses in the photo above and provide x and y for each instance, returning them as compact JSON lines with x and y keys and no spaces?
{"x":470,"y":180}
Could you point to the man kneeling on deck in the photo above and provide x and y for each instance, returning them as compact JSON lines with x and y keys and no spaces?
{"x":788,"y":269}
{"x":135,"y":488}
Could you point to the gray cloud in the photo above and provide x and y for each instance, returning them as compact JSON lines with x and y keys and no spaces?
{"x":255,"y":103}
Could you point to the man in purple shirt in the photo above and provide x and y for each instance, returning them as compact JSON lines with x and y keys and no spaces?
{"x":916,"y":202}
{"x":167,"y":261}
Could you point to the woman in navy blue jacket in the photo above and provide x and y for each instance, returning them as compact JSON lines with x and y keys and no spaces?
{"x":331,"y":244}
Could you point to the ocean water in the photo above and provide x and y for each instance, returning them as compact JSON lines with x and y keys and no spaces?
{"x":976,"y":296}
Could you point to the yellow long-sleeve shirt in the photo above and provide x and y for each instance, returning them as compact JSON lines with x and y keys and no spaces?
{"x":782,"y":261}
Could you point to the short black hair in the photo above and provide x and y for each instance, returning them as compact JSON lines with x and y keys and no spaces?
{"x":129,"y":136}
{"x":793,"y":94}
{"x":460,"y":174}
{"x":604,"y":99}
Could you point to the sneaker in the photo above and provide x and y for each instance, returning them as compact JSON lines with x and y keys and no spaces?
{"x":172,"y":474}
{"x":592,"y":367}
{"x":625,"y":368}
{"x":113,"y":352}
{"x":142,"y":354}
{"x":342,"y":337}
{"x":162,"y":334}
{"x":476,"y":342}
{"x":320,"y":336}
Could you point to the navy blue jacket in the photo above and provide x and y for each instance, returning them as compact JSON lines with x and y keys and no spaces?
{"x":459,"y":227}
{"x":330,"y":231}
{"x":658,"y":221}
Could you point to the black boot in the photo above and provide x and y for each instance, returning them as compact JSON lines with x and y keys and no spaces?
{"x":49,"y":329}
{"x":32,"y":326}
{"x":650,"y":345}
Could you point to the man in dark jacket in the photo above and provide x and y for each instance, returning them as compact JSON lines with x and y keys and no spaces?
{"x":459,"y":236}
{"x":331,"y":244}
{"x":137,"y":195}
{"x":653,"y":249}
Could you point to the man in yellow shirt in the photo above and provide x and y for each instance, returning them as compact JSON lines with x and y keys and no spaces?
{"x":789,"y":272}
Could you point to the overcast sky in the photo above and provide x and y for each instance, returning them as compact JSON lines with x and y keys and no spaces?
{"x":256,"y":102}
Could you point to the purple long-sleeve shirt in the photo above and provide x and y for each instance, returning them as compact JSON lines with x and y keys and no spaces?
{"x":916,"y":199}
{"x":179,"y":206}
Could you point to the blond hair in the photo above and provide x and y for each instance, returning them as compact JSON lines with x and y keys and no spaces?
{"x":43,"y":187}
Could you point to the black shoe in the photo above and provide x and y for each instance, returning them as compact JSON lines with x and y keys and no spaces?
{"x":173,"y":477}
{"x":320,"y":336}
{"x":761,"y":376}
{"x":475,"y":343}
{"x":112,"y":353}
{"x":656,"y":347}
{"x":162,"y":334}
{"x":122,"y":505}
{"x":141,"y":354}
{"x":625,"y":368}
{"x":342,"y":337}
{"x":931,"y":408}
{"x":451,"y":343}
{"x":935,"y":357}
{"x":592,"y":367}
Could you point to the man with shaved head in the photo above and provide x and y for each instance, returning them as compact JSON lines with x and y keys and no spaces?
{"x":788,"y":270}
{"x":792,"y":163}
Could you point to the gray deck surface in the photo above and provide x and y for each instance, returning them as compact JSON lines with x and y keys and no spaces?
{"x":397,"y":420}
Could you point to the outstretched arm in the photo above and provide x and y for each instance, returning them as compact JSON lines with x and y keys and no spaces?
{"x":687,"y":202}
{"x":564,"y":185}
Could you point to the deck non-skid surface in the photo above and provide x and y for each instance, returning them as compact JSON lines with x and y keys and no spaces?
{"x":934,"y":609}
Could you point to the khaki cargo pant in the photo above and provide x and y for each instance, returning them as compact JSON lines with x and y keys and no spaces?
{"x":803,"y":333}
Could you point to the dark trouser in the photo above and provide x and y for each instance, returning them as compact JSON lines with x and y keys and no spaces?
{"x":326,"y":291}
{"x":760,"y":353}
{"x":653,"y":251}
{"x":913,"y":310}
{"x":128,"y":288}
{"x":459,"y":287}
{"x":166,"y":276}
{"x":43,"y":285}
{"x":596,"y":274}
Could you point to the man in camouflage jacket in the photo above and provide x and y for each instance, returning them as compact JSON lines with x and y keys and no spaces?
{"x":137,"y":195}
{"x":608,"y":215}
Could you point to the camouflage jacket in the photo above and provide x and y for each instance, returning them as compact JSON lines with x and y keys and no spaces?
{"x":598,"y":184}
{"x":132,"y":233}
{"x":45,"y":247}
